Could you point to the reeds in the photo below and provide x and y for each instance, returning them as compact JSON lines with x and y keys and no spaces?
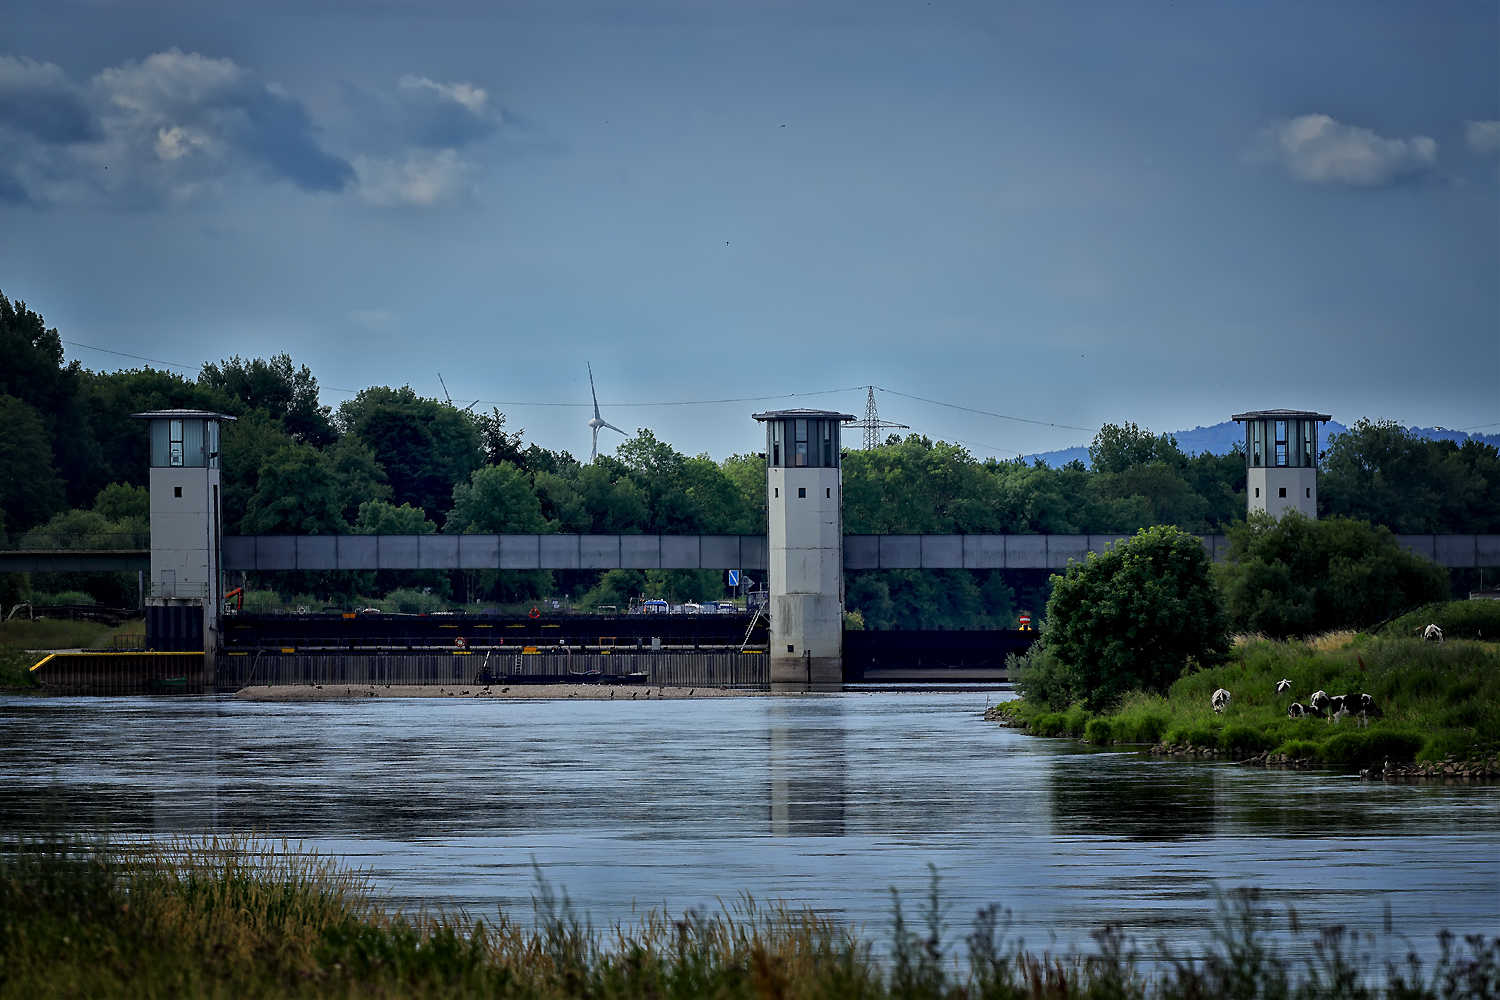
{"x":234,"y":917}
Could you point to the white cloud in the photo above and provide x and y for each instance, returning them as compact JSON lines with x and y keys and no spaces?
{"x":422,"y":178}
{"x":1484,"y":136}
{"x":162,"y":129}
{"x":472,"y":98}
{"x":1319,"y":150}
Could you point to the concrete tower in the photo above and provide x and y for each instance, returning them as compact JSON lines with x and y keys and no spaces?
{"x":186,"y":587}
{"x":1281,"y":460}
{"x":806,"y":546}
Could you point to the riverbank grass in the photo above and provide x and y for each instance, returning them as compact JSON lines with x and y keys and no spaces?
{"x":1435,"y":701}
{"x":236,"y":918}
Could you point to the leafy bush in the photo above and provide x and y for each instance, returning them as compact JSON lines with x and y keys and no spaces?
{"x":1098,"y":731}
{"x":1040,"y":677}
{"x":1136,"y":616}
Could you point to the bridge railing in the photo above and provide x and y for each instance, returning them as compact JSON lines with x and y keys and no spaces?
{"x":42,"y":541}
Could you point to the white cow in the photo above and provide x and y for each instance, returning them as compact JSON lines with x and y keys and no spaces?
{"x":1220,"y":701}
{"x":1283,"y":686}
{"x":1432,"y":634}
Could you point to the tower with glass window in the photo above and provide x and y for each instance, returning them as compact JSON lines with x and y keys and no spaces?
{"x":1281,"y":460}
{"x":806,"y":547}
{"x":186,"y":587}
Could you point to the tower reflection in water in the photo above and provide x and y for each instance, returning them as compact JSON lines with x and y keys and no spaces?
{"x":807,"y":768}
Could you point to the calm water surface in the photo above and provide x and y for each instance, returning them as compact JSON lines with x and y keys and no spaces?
{"x":826,"y":801}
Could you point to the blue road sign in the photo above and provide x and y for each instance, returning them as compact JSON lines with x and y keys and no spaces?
{"x":734,"y":578}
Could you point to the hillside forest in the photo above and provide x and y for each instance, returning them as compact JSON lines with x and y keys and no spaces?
{"x":387,"y":460}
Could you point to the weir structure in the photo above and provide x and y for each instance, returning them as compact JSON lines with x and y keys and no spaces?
{"x":804,"y":647}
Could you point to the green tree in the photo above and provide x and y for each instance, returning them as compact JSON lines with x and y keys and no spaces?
{"x":124,"y":504}
{"x":30,"y":488}
{"x":289,"y":394}
{"x":300,"y":492}
{"x":426,"y":447}
{"x":1136,"y":616}
{"x":1292,"y":576}
{"x":376,"y":517}
{"x":1381,"y":472}
{"x":497,"y":499}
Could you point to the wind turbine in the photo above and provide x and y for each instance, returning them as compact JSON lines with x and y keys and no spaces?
{"x":598,"y":421}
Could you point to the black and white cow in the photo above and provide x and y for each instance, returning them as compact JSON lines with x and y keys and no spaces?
{"x":1220,"y":701}
{"x":1318,"y":703}
{"x":1296,"y":711}
{"x":1338,"y":707}
{"x":1365,"y":708}
{"x":1283,"y":686}
{"x":1432,"y":634}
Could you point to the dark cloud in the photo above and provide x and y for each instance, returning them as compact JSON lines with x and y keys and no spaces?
{"x":37,"y":99}
{"x":164,"y":129}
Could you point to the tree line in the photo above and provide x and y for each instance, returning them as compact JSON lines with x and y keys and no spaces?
{"x":389,"y":460}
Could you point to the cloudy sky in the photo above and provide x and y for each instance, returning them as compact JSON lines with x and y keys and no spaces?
{"x":1074,"y":213}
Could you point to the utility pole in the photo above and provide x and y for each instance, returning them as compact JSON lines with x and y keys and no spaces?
{"x":872,"y":425}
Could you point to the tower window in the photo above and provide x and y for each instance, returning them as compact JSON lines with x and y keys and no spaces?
{"x":1283,"y":491}
{"x":1257,"y":492}
{"x":802,"y":492}
{"x":776,"y":491}
{"x":829,"y":492}
{"x":175,"y":437}
{"x":1309,"y":493}
{"x":177,"y":491}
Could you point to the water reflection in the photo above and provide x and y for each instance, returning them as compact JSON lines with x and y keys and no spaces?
{"x":821,"y":800}
{"x":1162,"y":803}
{"x":806,"y":762}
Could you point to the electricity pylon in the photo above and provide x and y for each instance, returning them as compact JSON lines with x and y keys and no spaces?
{"x":872,"y":425}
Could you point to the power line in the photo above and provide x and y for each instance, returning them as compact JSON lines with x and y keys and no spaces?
{"x":155,"y":361}
{"x":987,"y":413}
{"x":681,"y":402}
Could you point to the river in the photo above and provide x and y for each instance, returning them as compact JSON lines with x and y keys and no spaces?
{"x":827,"y":801}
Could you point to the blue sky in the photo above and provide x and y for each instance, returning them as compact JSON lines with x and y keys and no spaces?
{"x":1164,"y":213}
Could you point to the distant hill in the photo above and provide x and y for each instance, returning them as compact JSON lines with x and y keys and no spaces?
{"x":1220,"y":439}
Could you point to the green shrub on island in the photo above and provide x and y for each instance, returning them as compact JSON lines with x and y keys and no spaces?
{"x":1434,"y":700}
{"x":1130,"y":618}
{"x":237,"y":918}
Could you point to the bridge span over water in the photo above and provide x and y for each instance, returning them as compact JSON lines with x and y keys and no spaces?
{"x":747,"y":552}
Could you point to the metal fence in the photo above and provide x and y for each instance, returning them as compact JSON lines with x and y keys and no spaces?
{"x":665,"y":669}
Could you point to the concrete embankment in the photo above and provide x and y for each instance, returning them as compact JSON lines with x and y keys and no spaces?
{"x":597,"y":692}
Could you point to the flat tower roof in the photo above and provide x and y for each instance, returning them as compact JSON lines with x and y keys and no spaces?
{"x":182,"y":415}
{"x":807,"y":414}
{"x":1282,"y":415}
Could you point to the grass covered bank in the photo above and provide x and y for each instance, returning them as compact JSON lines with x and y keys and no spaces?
{"x":1436,"y":700}
{"x":234,"y":919}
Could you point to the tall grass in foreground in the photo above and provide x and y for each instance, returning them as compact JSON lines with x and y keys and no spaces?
{"x":234,"y":918}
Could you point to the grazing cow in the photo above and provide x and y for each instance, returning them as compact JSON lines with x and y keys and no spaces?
{"x":1220,"y":701}
{"x":1432,"y":634}
{"x":1318,"y":703}
{"x":1283,"y":686}
{"x":1338,"y":707}
{"x":1296,"y":711}
{"x":1366,"y":709}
